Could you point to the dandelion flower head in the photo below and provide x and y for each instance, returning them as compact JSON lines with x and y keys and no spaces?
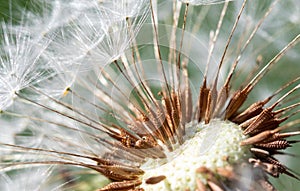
{"x":150,"y":95}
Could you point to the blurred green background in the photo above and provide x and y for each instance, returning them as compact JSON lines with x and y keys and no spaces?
{"x":289,"y":67}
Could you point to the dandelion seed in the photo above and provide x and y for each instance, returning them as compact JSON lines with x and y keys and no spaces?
{"x":172,"y":112}
{"x":53,"y":15}
{"x":21,"y":64}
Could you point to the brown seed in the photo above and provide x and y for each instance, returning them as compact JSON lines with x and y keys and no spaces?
{"x":202,"y":101}
{"x":249,"y":113}
{"x":237,"y":101}
{"x":263,"y":117}
{"x":121,"y":186}
{"x":155,"y":179}
{"x":261,"y":137}
{"x":211,"y":104}
{"x":274,"y":145}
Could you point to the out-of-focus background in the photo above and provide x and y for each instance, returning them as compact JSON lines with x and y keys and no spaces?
{"x":277,"y":31}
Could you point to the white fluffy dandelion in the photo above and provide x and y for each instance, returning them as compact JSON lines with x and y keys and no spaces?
{"x":21,"y":64}
{"x":170,"y":107}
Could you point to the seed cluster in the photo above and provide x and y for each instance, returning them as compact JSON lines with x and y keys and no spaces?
{"x":84,"y":87}
{"x":215,"y":145}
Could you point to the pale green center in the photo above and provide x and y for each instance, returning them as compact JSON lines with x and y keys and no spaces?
{"x":214,"y":145}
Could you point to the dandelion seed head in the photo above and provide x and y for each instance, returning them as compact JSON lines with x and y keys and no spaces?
{"x":214,"y":145}
{"x":98,"y":36}
{"x":151,"y":106}
{"x":20,"y":64}
{"x":25,"y":66}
